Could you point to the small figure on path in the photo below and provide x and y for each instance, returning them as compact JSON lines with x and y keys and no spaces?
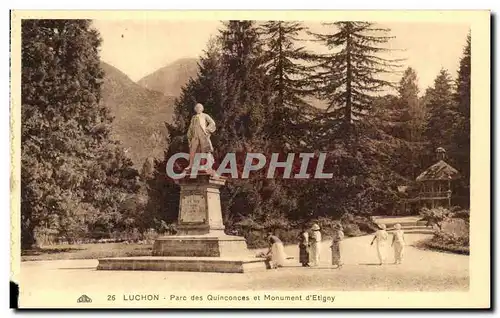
{"x":398,"y":242}
{"x":276,"y":250}
{"x":304,"y":247}
{"x":338,"y":236}
{"x":199,"y":131}
{"x":315,"y":240}
{"x":381,"y":237}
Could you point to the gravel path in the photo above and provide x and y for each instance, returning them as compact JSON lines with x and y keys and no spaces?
{"x":422,"y":270}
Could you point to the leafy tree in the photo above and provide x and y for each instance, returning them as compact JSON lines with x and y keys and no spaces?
{"x":72,"y":173}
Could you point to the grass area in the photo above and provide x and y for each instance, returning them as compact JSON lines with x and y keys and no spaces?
{"x":86,"y":251}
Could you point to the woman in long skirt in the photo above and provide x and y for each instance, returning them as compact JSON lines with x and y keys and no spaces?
{"x":315,"y":240}
{"x":398,"y":242}
{"x":381,"y":237}
{"x":304,"y":247}
{"x":338,"y":236}
{"x":276,"y":251}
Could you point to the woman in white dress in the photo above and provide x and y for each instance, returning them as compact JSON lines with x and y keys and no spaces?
{"x":277,"y":251}
{"x":338,"y":236}
{"x":315,"y":241}
{"x":398,"y":242}
{"x":381,"y":237}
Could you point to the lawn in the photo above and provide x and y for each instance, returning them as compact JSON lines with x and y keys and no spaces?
{"x":86,"y":251}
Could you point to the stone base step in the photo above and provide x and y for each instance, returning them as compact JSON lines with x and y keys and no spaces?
{"x":209,"y":245}
{"x":416,"y":231}
{"x":403,"y":224}
{"x":184,"y":264}
{"x":412,"y":227}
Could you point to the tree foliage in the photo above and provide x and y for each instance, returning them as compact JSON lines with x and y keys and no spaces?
{"x":73,"y":176}
{"x":285,"y":63}
{"x":349,"y":76}
{"x":257,"y":82}
{"x":441,"y":112}
{"x":461,"y":138}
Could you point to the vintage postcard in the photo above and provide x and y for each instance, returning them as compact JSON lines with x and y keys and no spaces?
{"x":232,"y":159}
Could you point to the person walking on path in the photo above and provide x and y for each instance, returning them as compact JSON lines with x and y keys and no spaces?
{"x":398,"y":243}
{"x":277,"y":251}
{"x":315,"y":245}
{"x":381,"y":237}
{"x":338,"y":236}
{"x":304,"y":247}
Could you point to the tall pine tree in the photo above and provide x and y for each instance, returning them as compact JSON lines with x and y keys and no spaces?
{"x":247,"y":86}
{"x":350,"y":76}
{"x":442,"y":113}
{"x":414,"y":112}
{"x":289,"y":76}
{"x":461,"y":140}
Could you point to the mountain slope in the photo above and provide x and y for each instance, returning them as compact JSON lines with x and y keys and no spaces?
{"x":171,"y":78}
{"x":139,"y":115}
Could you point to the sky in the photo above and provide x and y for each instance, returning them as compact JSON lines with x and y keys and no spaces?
{"x":140,"y":47}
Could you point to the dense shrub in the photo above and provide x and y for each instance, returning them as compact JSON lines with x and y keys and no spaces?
{"x":435,"y":216}
{"x":453,"y":233}
{"x":255,"y":234}
{"x":450,"y":242}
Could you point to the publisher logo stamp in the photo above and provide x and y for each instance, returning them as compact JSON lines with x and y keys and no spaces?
{"x":84,"y":299}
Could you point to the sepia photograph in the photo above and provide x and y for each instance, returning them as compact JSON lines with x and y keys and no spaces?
{"x":250,"y":160}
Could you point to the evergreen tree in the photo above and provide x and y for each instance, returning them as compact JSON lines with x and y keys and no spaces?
{"x":461,"y":140}
{"x":349,"y":77}
{"x":247,"y":86}
{"x":73,"y":176}
{"x":442,"y":113}
{"x":285,"y":65}
{"x":408,"y":122}
{"x":413,"y":112}
{"x":352,"y":129}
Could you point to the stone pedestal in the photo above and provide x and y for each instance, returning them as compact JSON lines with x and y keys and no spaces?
{"x":200,"y":210}
{"x":200,"y":244}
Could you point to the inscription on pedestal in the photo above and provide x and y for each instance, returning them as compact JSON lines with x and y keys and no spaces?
{"x":193,"y":207}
